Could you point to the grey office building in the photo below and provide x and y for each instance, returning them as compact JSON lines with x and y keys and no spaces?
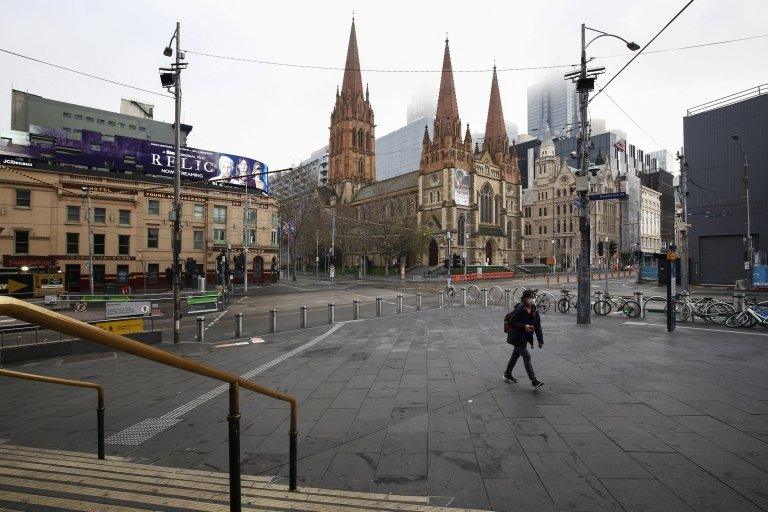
{"x":33,"y":110}
{"x":399,"y":152}
{"x":717,"y":209}
{"x":552,"y":103}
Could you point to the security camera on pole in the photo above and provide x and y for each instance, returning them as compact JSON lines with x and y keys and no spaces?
{"x":171,"y":79}
{"x":585,"y":82}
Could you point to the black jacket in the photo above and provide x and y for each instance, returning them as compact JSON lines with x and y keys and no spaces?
{"x":517,"y":320}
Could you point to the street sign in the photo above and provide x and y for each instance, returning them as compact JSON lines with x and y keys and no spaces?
{"x":126,"y":326}
{"x":16,"y":284}
{"x":609,"y":195}
{"x":80,"y":307}
{"x":122,"y":309}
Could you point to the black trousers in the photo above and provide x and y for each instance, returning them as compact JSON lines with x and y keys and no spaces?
{"x":521,"y":351}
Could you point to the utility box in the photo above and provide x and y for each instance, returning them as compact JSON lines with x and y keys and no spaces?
{"x":201,"y":284}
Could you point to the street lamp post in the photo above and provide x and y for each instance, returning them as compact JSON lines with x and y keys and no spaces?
{"x":585,"y":82}
{"x":750,"y":248}
{"x":171,"y":78}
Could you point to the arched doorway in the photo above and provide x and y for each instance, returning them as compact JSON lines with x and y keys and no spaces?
{"x":489,"y":252}
{"x":258,"y":269}
{"x":433,"y":253}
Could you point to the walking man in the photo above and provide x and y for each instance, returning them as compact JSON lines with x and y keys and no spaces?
{"x":520,"y":325}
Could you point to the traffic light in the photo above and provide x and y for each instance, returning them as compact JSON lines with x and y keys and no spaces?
{"x":446,"y":263}
{"x":614,"y":248}
{"x":456,"y":261}
{"x":600,"y":249}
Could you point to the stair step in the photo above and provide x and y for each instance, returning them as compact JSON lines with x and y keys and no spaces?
{"x":76,"y":481}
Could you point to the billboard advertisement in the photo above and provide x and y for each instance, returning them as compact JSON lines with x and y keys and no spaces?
{"x":461,"y":187}
{"x":135,"y":155}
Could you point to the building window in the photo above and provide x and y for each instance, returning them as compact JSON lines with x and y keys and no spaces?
{"x":121,"y":125}
{"x":89,"y":119}
{"x":462,"y":228}
{"x":21,"y":241}
{"x":198,"y":240}
{"x":220,"y":214}
{"x":360,"y":168}
{"x":67,"y":115}
{"x":123,"y":274}
{"x":153,"y":235}
{"x":252,"y":236}
{"x":486,"y":204}
{"x":111,"y":123}
{"x":142,"y":129}
{"x":273,"y":239}
{"x":99,"y":244}
{"x":125,"y":217}
{"x":23,"y":198}
{"x":153,"y":272}
{"x":73,"y":213}
{"x":510,"y":238}
{"x":123,"y":245}
{"x":199,"y":211}
{"x":132,"y":126}
{"x":219,"y":236}
{"x":99,"y":121}
{"x":78,"y":116}
{"x":99,"y":274}
{"x":100,"y":215}
{"x":73,"y":243}
{"x":153,"y":207}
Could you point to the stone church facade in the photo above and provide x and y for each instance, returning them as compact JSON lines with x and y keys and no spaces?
{"x":468,"y":200}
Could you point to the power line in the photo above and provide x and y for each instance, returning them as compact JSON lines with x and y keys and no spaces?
{"x":641,"y":50}
{"x":83,"y":73}
{"x":689,"y":47}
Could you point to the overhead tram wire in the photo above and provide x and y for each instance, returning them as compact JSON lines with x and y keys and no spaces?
{"x":689,"y":47}
{"x":636,"y":55}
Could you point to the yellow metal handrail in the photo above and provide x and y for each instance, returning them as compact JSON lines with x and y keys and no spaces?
{"x":31,"y":313}
{"x":67,"y":382}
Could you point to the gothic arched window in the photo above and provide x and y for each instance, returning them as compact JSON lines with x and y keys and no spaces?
{"x":354,"y":137}
{"x":461,"y":229}
{"x":486,"y":204}
{"x":360,"y":136}
{"x":510,"y":239}
{"x":368,"y":140}
{"x":360,"y":168}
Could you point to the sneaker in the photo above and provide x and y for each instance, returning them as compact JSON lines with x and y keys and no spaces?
{"x":536,"y":383}
{"x":509,"y":378}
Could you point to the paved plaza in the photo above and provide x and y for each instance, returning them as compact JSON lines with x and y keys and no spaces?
{"x":630,"y":418}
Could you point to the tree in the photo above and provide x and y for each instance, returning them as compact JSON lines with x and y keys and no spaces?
{"x":300,"y":216}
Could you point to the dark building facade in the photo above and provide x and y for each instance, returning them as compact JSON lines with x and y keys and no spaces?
{"x":717,"y":211}
{"x":663,"y":181}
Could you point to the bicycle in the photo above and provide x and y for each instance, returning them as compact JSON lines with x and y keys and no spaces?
{"x":711,"y":310}
{"x":755,"y":314}
{"x":543,"y":300}
{"x":629,"y":307}
{"x":568,"y":301}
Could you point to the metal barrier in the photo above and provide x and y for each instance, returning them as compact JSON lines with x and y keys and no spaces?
{"x":418,"y":301}
{"x":378,"y":306}
{"x":440,"y":299}
{"x":739,"y":302}
{"x":20,"y":310}
{"x":484,"y":297}
{"x":399,"y":302}
{"x":508,"y":298}
{"x":473,"y":292}
{"x":272,"y":320}
{"x":76,"y":383}
{"x":463,"y":297}
{"x":356,"y":309}
{"x":331,"y":312}
{"x":495,"y":298}
{"x":200,"y":329}
{"x":639,"y":300}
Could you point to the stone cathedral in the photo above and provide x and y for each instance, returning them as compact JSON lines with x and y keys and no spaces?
{"x":465,"y":193}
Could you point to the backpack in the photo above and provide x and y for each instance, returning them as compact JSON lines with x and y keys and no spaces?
{"x":508,"y":322}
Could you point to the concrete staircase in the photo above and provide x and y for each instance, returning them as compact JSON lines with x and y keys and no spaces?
{"x":34,"y":479}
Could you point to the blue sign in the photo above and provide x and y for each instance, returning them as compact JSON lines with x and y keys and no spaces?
{"x":760,"y":276}
{"x":609,"y":195}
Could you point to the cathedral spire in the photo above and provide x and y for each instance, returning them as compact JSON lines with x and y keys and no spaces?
{"x":426,"y":140}
{"x":496,"y":141}
{"x":352,"y":86}
{"x":447,"y":108}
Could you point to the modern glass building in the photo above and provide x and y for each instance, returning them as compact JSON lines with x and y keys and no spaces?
{"x":552,"y":103}
{"x":399,"y":152}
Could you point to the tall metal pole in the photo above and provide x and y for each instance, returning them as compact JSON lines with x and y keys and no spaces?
{"x":683,"y":249}
{"x":333,"y":242}
{"x":750,"y":248}
{"x":583,"y":315}
{"x":177,"y":194}
{"x":466,"y":242}
{"x":89,"y":217}
{"x":317,"y":257}
{"x":247,"y":234}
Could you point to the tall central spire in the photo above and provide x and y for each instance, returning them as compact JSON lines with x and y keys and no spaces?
{"x":496,"y":140}
{"x":353,"y":80}
{"x":447,"y":107}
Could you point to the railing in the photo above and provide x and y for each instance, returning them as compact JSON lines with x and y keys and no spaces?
{"x":730,"y":99}
{"x":35,"y":314}
{"x":76,"y":383}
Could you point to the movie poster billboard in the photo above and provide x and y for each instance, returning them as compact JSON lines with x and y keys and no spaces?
{"x":147,"y":157}
{"x":461,"y":187}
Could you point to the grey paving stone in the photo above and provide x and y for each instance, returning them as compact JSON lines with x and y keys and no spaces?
{"x":753,"y":489}
{"x":604,"y":458}
{"x":334,"y":422}
{"x":649,"y":419}
{"x":711,"y":457}
{"x":351,"y":471}
{"x":629,"y":436}
{"x":383,"y":389}
{"x":589,"y":405}
{"x":723,"y":434}
{"x":457,"y":474}
{"x":644,"y":495}
{"x":562,"y":414}
{"x":665,"y":404}
{"x":697,"y":488}
{"x":349,"y":399}
{"x":408,"y":485}
{"x":514,"y":495}
{"x":361,"y":381}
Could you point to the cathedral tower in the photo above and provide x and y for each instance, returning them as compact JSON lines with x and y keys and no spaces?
{"x":496,"y":141}
{"x":352,"y":142}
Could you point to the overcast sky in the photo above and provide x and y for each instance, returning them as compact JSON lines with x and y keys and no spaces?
{"x":280,"y":114}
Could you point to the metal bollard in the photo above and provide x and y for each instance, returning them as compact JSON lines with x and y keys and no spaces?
{"x":739,"y":301}
{"x":200,"y":329}
{"x":303,"y":317}
{"x":399,"y":302}
{"x":484,"y":297}
{"x":600,"y":295}
{"x":378,"y":306}
{"x":463,"y":297}
{"x":238,"y":325}
{"x":639,"y":299}
{"x":331,"y":312}
{"x":356,"y":309}
{"x":418,"y":301}
{"x":272,"y":320}
{"x":508,"y":298}
{"x":440,"y":299}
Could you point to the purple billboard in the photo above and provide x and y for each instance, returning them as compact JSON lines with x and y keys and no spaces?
{"x":135,"y":155}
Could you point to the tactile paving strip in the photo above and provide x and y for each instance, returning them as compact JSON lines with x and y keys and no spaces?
{"x":140,"y":432}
